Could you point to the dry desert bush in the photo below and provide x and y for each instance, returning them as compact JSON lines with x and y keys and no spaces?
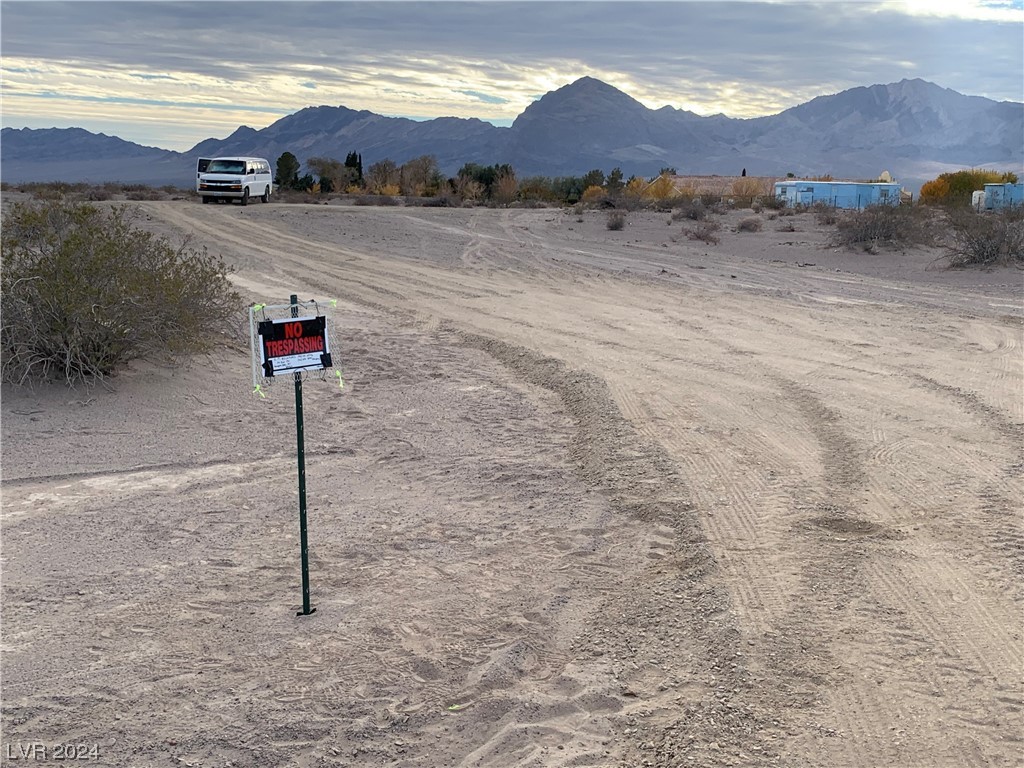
{"x":616,"y":220}
{"x":693,"y":209}
{"x":84,"y":291}
{"x":703,"y":231}
{"x":877,"y":226}
{"x":377,"y":200}
{"x":750,"y":225}
{"x":825,"y":214}
{"x":986,"y":239}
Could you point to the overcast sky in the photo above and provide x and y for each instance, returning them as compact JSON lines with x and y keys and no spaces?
{"x":170,"y":74}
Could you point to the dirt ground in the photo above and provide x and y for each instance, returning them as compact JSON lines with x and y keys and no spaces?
{"x":587,"y":498}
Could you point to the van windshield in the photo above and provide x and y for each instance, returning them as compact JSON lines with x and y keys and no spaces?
{"x":226,"y":166}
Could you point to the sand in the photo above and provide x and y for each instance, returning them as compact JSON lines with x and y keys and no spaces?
{"x":587,"y":498}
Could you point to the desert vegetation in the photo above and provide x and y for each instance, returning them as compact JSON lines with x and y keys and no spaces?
{"x":986,"y":239}
{"x":884,"y":226}
{"x":85,"y":290}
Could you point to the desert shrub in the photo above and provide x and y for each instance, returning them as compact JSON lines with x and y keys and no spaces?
{"x":771,"y":202}
{"x":377,"y":200}
{"x":97,"y":194}
{"x":787,"y":227}
{"x":703,"y":231}
{"x":295,"y":196}
{"x":144,"y":193}
{"x":84,"y":290}
{"x":750,"y":225}
{"x":825,"y":213}
{"x":692,"y":209}
{"x":987,"y":239}
{"x":616,"y":220}
{"x":884,"y":225}
{"x":54,"y":190}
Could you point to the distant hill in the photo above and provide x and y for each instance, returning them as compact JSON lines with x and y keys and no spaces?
{"x":913,"y":128}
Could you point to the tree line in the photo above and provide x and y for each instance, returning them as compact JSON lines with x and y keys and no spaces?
{"x":422,"y":177}
{"x":500,"y":184}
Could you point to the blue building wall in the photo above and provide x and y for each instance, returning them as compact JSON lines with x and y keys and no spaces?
{"x":840,"y":194}
{"x":999,"y":196}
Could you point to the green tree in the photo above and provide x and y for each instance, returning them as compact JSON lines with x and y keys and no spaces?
{"x":287,"y":171}
{"x":568,"y":189}
{"x":594,"y":178}
{"x":537,"y":188}
{"x":614,"y":182}
{"x":354,"y":161}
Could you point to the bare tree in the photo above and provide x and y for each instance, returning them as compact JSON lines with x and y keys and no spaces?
{"x":420,"y":176}
{"x":381,"y":175}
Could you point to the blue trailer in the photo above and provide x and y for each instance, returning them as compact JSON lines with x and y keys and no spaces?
{"x":999,"y":196}
{"x":838,"y":194}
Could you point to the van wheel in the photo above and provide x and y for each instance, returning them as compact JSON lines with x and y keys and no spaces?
{"x":266,"y":195}
{"x":205,"y":200}
{"x":245,"y":196}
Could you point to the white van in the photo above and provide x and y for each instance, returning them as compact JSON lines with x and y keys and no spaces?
{"x":230,"y":178}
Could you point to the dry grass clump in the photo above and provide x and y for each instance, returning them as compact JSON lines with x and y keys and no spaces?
{"x":84,"y":291}
{"x":703,"y":231}
{"x":884,"y":226}
{"x":616,"y":220}
{"x":986,"y":239}
{"x":750,"y":225}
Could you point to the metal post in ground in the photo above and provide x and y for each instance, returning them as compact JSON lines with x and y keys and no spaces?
{"x":301,"y":445}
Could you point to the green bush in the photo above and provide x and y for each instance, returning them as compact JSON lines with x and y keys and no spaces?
{"x":84,"y":290}
{"x":987,"y":239}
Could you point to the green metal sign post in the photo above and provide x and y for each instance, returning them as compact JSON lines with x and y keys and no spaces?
{"x":301,"y":445}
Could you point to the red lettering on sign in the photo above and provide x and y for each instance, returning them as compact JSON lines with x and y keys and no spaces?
{"x":286,"y":347}
{"x":292,"y":330}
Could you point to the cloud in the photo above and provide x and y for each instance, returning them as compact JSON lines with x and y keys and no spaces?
{"x":487,"y":59}
{"x":486,"y":98}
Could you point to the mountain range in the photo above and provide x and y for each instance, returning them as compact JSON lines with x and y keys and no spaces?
{"x":913,"y":128}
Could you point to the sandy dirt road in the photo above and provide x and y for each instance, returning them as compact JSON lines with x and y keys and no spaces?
{"x":589,"y":498}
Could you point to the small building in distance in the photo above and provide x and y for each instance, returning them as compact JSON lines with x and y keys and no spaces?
{"x":999,"y":196}
{"x":838,"y":194}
